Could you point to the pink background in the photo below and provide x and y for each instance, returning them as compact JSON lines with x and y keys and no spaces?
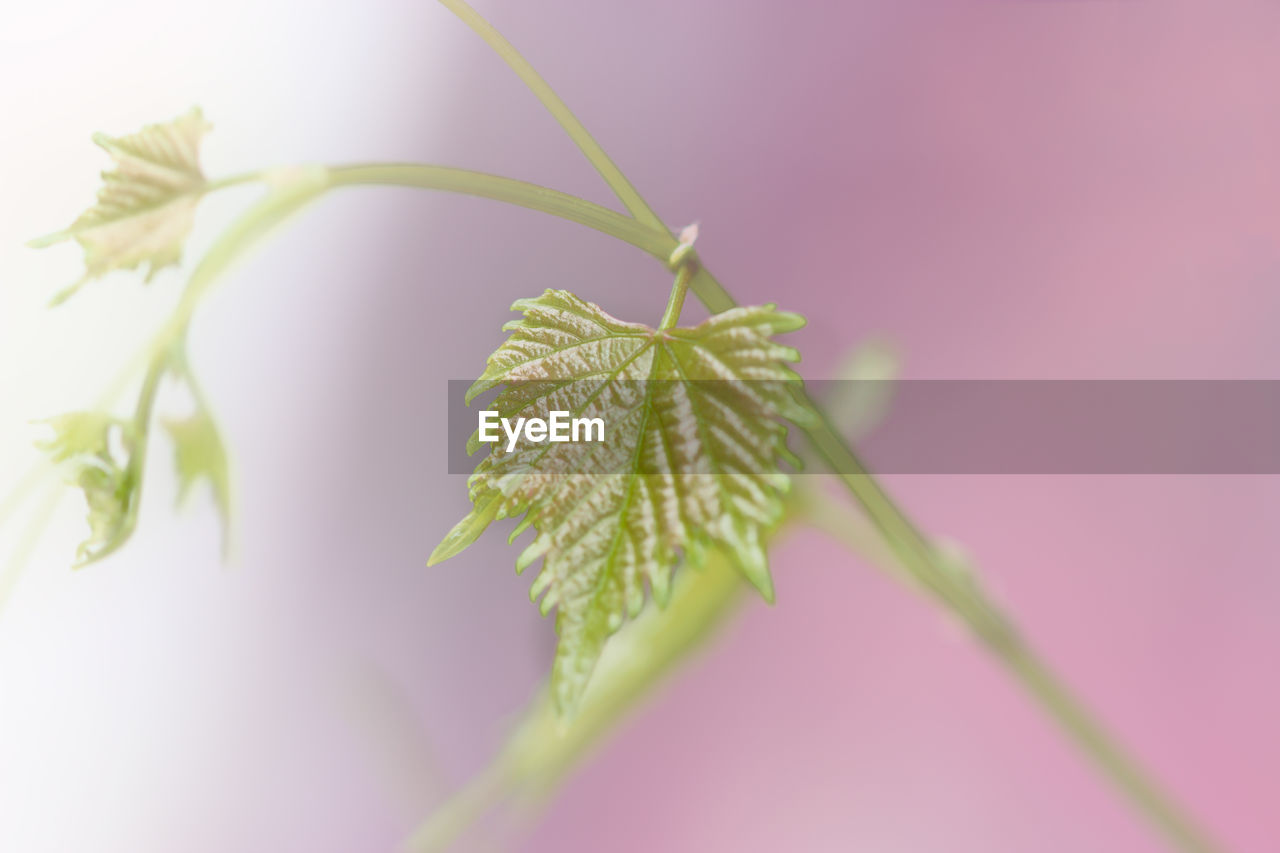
{"x":1034,"y":189}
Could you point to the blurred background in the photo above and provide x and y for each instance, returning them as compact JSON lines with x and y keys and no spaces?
{"x":1003,"y":189}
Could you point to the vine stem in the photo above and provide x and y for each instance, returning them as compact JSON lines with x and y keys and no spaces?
{"x":679,"y":289}
{"x":593,"y":151}
{"x":655,"y":241}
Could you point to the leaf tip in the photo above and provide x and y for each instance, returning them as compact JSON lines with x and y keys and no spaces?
{"x":466,"y":531}
{"x":751,"y":560}
{"x":47,"y":240}
{"x":451,"y":546}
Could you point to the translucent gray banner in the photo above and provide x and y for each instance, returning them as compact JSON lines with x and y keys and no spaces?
{"x":994,"y":426}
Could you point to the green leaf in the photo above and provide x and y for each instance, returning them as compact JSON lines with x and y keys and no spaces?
{"x":84,"y":442}
{"x":694,"y":434}
{"x":146,"y":206}
{"x":200,"y":455}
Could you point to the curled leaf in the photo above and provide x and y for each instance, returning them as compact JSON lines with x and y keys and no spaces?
{"x":695,"y":431}
{"x":146,"y":205}
{"x":84,"y":442}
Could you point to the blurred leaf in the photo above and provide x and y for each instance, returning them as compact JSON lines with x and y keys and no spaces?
{"x":200,"y":455}
{"x":146,"y":206}
{"x":695,"y":433}
{"x":84,"y":441}
{"x":860,"y":397}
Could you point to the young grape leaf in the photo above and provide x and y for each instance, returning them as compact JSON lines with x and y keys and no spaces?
{"x":146,"y":206}
{"x":84,"y":441}
{"x":199,"y":454}
{"x":694,"y":432}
